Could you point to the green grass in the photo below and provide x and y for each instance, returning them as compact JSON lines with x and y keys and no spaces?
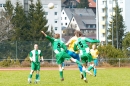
{"x":105,"y":77}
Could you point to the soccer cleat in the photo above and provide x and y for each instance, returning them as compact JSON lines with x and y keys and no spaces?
{"x":63,"y":68}
{"x":62,"y":79}
{"x":94,"y":75}
{"x":81,"y":75}
{"x":36,"y":82}
{"x":85,"y":80}
{"x":29,"y":80}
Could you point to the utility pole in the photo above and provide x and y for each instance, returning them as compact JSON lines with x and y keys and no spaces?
{"x":116,"y":24}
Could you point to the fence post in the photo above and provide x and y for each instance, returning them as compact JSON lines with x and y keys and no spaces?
{"x":16,"y":50}
{"x":119,"y":62}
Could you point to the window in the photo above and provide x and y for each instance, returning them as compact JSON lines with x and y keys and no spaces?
{"x":63,"y":12}
{"x":88,"y":26}
{"x":55,"y":13}
{"x":56,"y":28}
{"x":91,"y":26}
{"x":65,"y":23}
{"x":46,"y":13}
{"x":0,"y":5}
{"x":73,"y":19}
{"x":65,"y":18}
{"x":55,"y":21}
{"x":61,"y":18}
{"x":94,"y":26}
{"x":61,"y":23}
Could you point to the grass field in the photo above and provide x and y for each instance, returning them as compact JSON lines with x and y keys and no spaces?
{"x":105,"y":77}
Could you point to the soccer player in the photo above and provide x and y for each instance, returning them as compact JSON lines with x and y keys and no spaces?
{"x":94,"y":52}
{"x":81,"y":44}
{"x":60,"y":51}
{"x":35,"y":56}
{"x":71,"y":52}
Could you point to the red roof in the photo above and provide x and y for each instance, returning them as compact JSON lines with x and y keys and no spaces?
{"x":91,"y":3}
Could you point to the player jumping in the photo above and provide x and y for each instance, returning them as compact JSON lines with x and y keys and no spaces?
{"x":71,"y":52}
{"x":81,"y":44}
{"x":60,"y":51}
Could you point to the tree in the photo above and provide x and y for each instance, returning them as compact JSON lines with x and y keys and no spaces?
{"x":118,"y":28}
{"x":5,"y":24}
{"x":37,"y":20}
{"x":20,"y":24}
{"x":83,"y":4}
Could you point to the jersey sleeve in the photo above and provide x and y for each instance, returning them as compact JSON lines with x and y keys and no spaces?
{"x":51,"y":39}
{"x":41,"y":54}
{"x":70,"y":40}
{"x":30,"y":54}
{"x":91,"y":40}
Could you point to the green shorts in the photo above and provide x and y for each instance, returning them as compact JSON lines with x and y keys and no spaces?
{"x":35,"y":66}
{"x":86,"y":57}
{"x":60,"y":57}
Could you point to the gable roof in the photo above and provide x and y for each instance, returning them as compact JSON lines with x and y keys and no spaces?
{"x":78,"y":11}
{"x":83,"y":20}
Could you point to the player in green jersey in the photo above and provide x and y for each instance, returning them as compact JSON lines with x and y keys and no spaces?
{"x":35,"y":56}
{"x":60,"y":51}
{"x":81,"y":44}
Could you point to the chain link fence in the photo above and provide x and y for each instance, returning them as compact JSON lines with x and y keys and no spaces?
{"x":18,"y":51}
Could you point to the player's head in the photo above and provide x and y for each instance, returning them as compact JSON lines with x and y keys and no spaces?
{"x":57,"y":35}
{"x":80,"y":34}
{"x":76,"y":33}
{"x":35,"y":46}
{"x":94,"y":46}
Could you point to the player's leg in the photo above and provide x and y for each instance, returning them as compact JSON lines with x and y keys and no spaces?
{"x":90,"y":60}
{"x":60,"y":60}
{"x":95,"y":69}
{"x":37,"y":72}
{"x":63,"y":66}
{"x":76,"y":56}
{"x":61,"y":72}
{"x":31,"y":72}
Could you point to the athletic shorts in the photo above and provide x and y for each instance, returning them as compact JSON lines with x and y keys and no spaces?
{"x":86,"y":57}
{"x":60,"y":57}
{"x":73,"y":54}
{"x":35,"y":66}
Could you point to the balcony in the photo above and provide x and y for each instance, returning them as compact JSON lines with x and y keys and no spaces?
{"x":103,"y":22}
{"x":103,"y":14}
{"x":102,"y":39}
{"x":102,"y":31}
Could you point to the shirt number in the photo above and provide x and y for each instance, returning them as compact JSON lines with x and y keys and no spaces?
{"x":81,"y":45}
{"x":58,"y":45}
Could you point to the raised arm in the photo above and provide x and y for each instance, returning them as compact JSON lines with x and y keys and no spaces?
{"x":48,"y":37}
{"x":92,"y":40}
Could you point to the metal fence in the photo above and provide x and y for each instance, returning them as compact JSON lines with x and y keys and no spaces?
{"x":21,"y":49}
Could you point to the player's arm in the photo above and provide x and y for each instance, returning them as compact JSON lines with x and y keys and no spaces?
{"x":64,"y":46}
{"x":92,"y":40}
{"x":41,"y":56}
{"x":48,"y":37}
{"x":30,"y":56}
{"x":75,"y":47}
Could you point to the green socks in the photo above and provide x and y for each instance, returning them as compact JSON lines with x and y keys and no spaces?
{"x":78,"y":62}
{"x":61,"y":74}
{"x":90,"y":67}
{"x":84,"y":73}
{"x":30,"y":76}
{"x":37,"y":77}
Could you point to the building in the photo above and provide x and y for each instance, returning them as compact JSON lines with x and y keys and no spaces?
{"x":79,"y":19}
{"x":53,"y":15}
{"x":104,"y":16}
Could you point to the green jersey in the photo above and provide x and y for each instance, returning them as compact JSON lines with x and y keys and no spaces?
{"x":82,"y":45}
{"x":57,"y":44}
{"x":35,"y":55}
